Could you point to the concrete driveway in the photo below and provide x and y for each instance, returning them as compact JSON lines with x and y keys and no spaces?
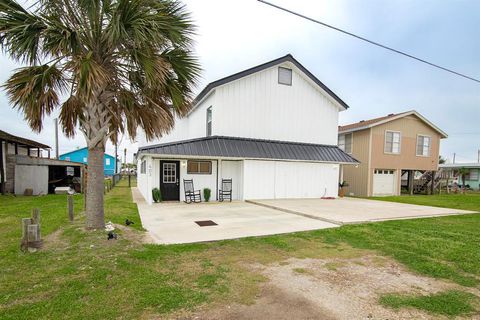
{"x":174,"y":222}
{"x":353,"y":210}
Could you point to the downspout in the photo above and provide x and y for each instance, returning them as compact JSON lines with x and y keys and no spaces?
{"x":2,"y":172}
{"x":216,"y":187}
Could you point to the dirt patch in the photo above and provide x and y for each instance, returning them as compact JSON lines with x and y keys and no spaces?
{"x":53,"y":240}
{"x":333,"y":289}
{"x":273,"y":303}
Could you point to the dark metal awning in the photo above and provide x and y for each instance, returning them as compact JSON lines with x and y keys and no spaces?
{"x":233,"y":147}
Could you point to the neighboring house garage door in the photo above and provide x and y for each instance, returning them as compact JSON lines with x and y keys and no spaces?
{"x":384,"y":182}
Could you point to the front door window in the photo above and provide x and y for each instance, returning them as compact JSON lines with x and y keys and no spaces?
{"x":169,"y":173}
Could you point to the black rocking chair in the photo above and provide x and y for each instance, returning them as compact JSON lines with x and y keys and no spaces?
{"x":226,"y":191}
{"x":191,"y":195}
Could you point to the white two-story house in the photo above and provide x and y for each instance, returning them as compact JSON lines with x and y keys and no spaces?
{"x":272,"y":129}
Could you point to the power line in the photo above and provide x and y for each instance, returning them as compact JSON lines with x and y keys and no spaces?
{"x":369,"y":41}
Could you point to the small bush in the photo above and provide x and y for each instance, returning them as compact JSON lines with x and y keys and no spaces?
{"x":206,"y":194}
{"x":156,"y":195}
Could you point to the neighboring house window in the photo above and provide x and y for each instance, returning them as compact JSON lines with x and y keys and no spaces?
{"x":67,"y":158}
{"x":199,"y":167}
{"x":473,"y":175}
{"x":345,"y":142}
{"x":209,"y":121}
{"x":285,"y":76}
{"x":85,"y":159}
{"x":143,"y":167}
{"x":423,"y":145}
{"x":392,"y":142}
{"x":107,"y":161}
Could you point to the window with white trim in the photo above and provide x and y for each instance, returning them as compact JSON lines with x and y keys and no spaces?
{"x":473,"y":175}
{"x":107,"y":161}
{"x":143,"y":167}
{"x":285,"y":76}
{"x":85,"y":159}
{"x":392,"y":142}
{"x":209,"y":121}
{"x":345,"y":142}
{"x":423,"y":145}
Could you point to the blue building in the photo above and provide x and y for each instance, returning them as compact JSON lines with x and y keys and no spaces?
{"x":81,"y":156}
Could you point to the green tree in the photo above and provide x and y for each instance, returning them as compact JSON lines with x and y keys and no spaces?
{"x":117,"y":64}
{"x":463,"y":173}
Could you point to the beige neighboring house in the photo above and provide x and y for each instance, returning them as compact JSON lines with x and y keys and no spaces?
{"x":394,"y":151}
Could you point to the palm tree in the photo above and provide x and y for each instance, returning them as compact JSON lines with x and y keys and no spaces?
{"x":118,"y":64}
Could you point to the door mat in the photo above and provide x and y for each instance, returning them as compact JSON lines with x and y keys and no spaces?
{"x":206,"y":223}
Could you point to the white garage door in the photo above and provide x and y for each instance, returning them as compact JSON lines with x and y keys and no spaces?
{"x":288,"y":179}
{"x":384,"y":182}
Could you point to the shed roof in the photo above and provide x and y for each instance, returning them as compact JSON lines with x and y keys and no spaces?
{"x":234,"y":147}
{"x":5,"y":136}
{"x":81,"y":149}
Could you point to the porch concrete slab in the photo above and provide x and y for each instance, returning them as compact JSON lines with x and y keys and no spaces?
{"x":174,"y":222}
{"x":354,"y":210}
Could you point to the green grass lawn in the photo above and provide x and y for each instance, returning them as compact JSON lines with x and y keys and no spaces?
{"x":468,"y":201}
{"x":81,"y":275}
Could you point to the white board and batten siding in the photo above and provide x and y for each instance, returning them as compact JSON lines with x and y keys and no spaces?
{"x":233,"y":169}
{"x":258,"y":107}
{"x":289,"y":179}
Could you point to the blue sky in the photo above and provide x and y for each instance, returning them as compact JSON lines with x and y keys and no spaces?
{"x":233,"y":35}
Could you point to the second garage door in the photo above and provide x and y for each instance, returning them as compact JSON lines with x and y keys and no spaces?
{"x":384,"y":182}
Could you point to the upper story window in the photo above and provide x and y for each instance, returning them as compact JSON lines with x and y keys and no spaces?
{"x":345,"y":142}
{"x":85,"y":159}
{"x":209,"y":121}
{"x":392,"y":142}
{"x":107,"y":161}
{"x":423,"y":145}
{"x":67,"y":158}
{"x":285,"y":76}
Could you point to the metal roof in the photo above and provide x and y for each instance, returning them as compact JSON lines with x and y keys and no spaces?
{"x":5,"y":136}
{"x":287,"y":58}
{"x":459,"y":165}
{"x":233,"y":147}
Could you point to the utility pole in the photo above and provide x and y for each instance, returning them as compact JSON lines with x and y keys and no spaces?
{"x":478,"y":156}
{"x":454,"y":154}
{"x":56,"y":138}
{"x":125,"y":157}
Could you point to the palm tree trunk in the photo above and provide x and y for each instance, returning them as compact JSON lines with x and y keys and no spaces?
{"x":95,"y":188}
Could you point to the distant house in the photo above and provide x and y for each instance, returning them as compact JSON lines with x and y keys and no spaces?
{"x":394,"y":151}
{"x":472,"y":179}
{"x":25,"y":166}
{"x":81,"y":156}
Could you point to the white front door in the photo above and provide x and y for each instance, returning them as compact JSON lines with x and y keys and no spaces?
{"x":384,"y":182}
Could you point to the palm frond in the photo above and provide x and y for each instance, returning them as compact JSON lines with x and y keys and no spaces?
{"x":20,"y":32}
{"x":71,"y":114}
{"x":35,"y":91}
